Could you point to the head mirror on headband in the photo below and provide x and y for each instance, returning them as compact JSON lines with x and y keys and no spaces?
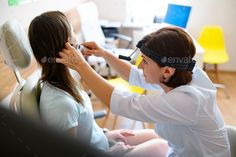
{"x":180,"y":63}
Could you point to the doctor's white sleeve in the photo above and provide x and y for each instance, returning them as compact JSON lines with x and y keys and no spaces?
{"x":136,"y":78}
{"x":175,"y":108}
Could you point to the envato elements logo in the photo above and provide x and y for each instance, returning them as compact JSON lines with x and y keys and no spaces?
{"x":170,"y":60}
{"x":53,"y":60}
{"x":48,"y":60}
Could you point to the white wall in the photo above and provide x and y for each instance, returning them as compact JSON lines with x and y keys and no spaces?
{"x":216,"y":12}
{"x":220,"y":12}
{"x":26,"y":12}
{"x":112,"y":9}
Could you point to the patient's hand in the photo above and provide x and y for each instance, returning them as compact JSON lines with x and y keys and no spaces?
{"x":119,"y":135}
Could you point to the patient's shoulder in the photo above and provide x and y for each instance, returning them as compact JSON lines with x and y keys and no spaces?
{"x":54,"y":95}
{"x":50,"y":92}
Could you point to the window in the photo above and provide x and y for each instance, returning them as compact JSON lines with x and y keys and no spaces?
{"x":144,"y":11}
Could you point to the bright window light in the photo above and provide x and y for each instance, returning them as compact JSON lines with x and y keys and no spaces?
{"x":18,"y":2}
{"x":144,"y":11}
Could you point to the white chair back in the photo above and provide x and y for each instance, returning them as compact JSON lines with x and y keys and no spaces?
{"x":17,"y":53}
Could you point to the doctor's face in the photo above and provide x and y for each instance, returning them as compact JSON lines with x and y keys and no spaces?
{"x":151,"y":70}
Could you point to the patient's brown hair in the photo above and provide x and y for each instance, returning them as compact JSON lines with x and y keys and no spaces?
{"x":48,"y":34}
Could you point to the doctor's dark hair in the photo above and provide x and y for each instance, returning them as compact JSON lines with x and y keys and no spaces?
{"x":174,"y":43}
{"x":48,"y":34}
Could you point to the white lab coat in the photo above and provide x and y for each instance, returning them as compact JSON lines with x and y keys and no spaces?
{"x":187,"y":117}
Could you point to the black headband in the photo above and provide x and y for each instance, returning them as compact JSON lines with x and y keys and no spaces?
{"x":180,"y":63}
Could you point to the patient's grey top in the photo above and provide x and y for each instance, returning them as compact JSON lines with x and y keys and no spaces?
{"x":187,"y":117}
{"x":60,"y":110}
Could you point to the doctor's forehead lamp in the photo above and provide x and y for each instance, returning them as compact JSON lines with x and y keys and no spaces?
{"x":180,"y":63}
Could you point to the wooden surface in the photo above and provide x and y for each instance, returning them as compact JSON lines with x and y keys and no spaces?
{"x":7,"y":77}
{"x":227,"y":106}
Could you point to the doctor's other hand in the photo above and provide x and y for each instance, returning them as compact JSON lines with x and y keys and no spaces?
{"x":70,"y":57}
{"x":92,"y":48}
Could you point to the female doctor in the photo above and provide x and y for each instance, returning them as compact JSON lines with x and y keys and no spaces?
{"x":186,"y":113}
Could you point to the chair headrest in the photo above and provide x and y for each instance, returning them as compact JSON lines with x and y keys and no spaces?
{"x":15,"y":45}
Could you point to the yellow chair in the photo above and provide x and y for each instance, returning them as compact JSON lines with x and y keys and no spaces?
{"x":124,"y":84}
{"x":119,"y":82}
{"x":212,"y":40}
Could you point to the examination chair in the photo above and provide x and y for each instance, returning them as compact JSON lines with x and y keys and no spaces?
{"x":17,"y":53}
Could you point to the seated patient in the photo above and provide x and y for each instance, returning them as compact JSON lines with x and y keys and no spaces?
{"x":66,"y":107}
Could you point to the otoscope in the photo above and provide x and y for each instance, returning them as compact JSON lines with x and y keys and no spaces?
{"x":79,"y":47}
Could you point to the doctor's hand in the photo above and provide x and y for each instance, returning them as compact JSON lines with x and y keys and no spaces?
{"x":119,"y":135}
{"x":92,"y":48}
{"x":71,"y":58}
